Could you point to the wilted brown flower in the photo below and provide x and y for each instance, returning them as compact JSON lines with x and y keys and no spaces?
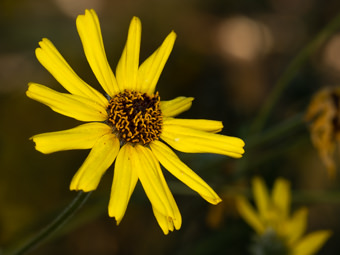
{"x":323,"y":114}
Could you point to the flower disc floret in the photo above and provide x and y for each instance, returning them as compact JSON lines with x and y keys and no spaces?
{"x":135,"y":116}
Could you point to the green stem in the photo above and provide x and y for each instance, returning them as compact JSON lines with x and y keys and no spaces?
{"x":271,"y":136}
{"x":41,"y":236}
{"x":291,"y":71}
{"x":280,"y":131}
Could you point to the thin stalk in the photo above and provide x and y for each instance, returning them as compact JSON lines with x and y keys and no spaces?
{"x":280,"y":131}
{"x":41,"y":236}
{"x":291,"y":71}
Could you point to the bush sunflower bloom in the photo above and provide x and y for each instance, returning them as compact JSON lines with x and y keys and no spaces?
{"x":278,"y":232}
{"x":130,"y":126}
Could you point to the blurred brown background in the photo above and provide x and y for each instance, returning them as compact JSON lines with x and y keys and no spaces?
{"x":228,"y":55}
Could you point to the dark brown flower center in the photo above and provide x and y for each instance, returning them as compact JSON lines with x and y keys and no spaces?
{"x":136,"y":117}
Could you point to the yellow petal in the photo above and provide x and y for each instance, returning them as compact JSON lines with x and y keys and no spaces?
{"x":127,"y":68}
{"x":311,"y":243}
{"x":73,"y":106}
{"x":249,"y":215}
{"x":91,"y":37}
{"x":296,"y":226}
{"x":148,"y":171}
{"x":281,"y":197}
{"x":168,"y":222}
{"x":124,"y":182}
{"x":163,"y":222}
{"x":213,"y":126}
{"x":151,"y":69}
{"x":176,"y":219}
{"x":196,"y":141}
{"x":181,"y":171}
{"x":97,"y":162}
{"x":54,"y":62}
{"x":81,"y":137}
{"x":261,"y":196}
{"x":176,"y":106}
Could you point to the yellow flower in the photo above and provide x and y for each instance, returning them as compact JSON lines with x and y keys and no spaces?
{"x":130,"y":126}
{"x":323,"y":114}
{"x":273,"y":217}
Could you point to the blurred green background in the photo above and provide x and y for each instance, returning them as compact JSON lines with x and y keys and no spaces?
{"x":228,"y":55}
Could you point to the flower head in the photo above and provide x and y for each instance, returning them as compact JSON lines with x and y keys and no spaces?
{"x":323,"y":114}
{"x":130,"y":126}
{"x":275,"y":227}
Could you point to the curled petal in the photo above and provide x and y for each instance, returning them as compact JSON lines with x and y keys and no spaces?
{"x":176,"y":106}
{"x":91,"y":37}
{"x":166,"y":223}
{"x":192,"y":140}
{"x":97,"y":162}
{"x":81,"y":137}
{"x":163,"y":222}
{"x":73,"y":106}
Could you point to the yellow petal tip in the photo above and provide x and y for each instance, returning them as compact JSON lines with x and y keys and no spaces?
{"x":216,"y":201}
{"x":135,"y":22}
